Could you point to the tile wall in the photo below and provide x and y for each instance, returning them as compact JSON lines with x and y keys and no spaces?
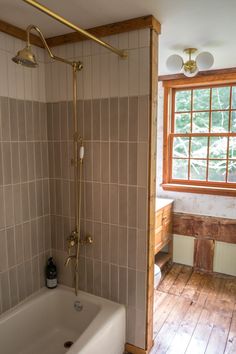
{"x":113,"y":111}
{"x":24,"y":177}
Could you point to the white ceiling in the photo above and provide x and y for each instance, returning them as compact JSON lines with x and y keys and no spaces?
{"x":204,"y":24}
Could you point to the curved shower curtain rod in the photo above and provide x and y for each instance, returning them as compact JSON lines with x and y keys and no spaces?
{"x":67,"y":23}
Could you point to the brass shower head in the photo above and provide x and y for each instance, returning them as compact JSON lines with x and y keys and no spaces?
{"x":26,"y":58}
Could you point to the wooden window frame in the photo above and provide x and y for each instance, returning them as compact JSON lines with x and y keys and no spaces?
{"x":170,"y":87}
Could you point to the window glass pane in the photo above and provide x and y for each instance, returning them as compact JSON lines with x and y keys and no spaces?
{"x":200,"y":122}
{"x":218,"y":147}
{"x":220,"y":97}
{"x":183,"y":101}
{"x":199,"y":147}
{"x":198,"y":170}
{"x":180,"y":169}
{"x":182,"y":123}
{"x":234,"y":97}
{"x":201,"y":99}
{"x":217,"y":170}
{"x":233,"y":122}
{"x":220,"y":122}
{"x":232,"y":171}
{"x":181,"y":147}
{"x":232,"y":148}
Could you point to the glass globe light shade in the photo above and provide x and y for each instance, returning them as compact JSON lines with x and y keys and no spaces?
{"x":204,"y":60}
{"x":190,"y":73}
{"x":174,"y":63}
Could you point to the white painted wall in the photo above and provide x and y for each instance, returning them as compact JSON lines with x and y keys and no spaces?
{"x":204,"y":204}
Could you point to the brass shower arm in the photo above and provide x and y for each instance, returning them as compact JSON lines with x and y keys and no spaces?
{"x":81,"y":31}
{"x":54,"y":57}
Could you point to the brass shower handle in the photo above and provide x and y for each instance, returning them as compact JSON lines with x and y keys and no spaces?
{"x":87,"y":241}
{"x":72,"y":239}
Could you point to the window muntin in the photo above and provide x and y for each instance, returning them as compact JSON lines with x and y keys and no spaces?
{"x":203,"y":136}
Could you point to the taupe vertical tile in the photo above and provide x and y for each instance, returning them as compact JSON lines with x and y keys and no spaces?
{"x":133,"y":118}
{"x":97,"y":201}
{"x":114,"y":206}
{"x":141,"y":291}
{"x":132,"y":206}
{"x":114,"y":283}
{"x":132,"y":248}
{"x":5,"y":118}
{"x":105,"y":162}
{"x":143,"y":118}
{"x":13,"y":287}
{"x":82,"y":274}
{"x":28,"y":278}
{"x":49,"y":121}
{"x":64,"y":121}
{"x":140,"y":330}
{"x":114,"y":121}
{"x":23,"y":161}
{"x":105,"y":243}
{"x":105,"y":119}
{"x":17,"y":203}
{"x":29,"y":121}
{"x":57,"y":159}
{"x":1,"y":165}
{"x":37,"y":122}
{"x":96,"y":119}
{"x":123,"y":246}
{"x":43,"y":121}
{"x":56,"y":121}
{"x":45,"y":162}
{"x":40,"y":235}
{"x":42,"y":263}
{"x":58,"y":193}
{"x":38,"y":160}
{"x":97,"y":235}
{"x":25,"y":201}
{"x":51,"y":160}
{"x":89,"y":202}
{"x":2,"y":209}
{"x":132,"y":287}
{"x":47,"y":232}
{"x":21,"y":281}
{"x":39,"y":197}
{"x":88,"y":161}
{"x":5,"y":287}
{"x":97,"y":162}
{"x":11,"y":249}
{"x":123,"y":285}
{"x":3,"y":251}
{"x":123,"y":119}
{"x":15,"y":163}
{"x":97,"y":277}
{"x":27,"y":240}
{"x":30,"y":161}
{"x":32,"y":200}
{"x":35,"y":270}
{"x":123,"y":163}
{"x":105,"y":203}
{"x":114,"y":168}
{"x":123,"y":205}
{"x":142,"y":250}
{"x":19,"y":244}
{"x":133,"y":161}
{"x":64,"y":160}
{"x":142,"y":208}
{"x":87,"y":120}
{"x":65,"y":198}
{"x":7,"y":171}
{"x":89,"y":231}
{"x":114,"y":243}
{"x":105,"y":280}
{"x":89,"y":273}
{"x":70,"y":120}
{"x":80,"y":114}
{"x":142,"y":164}
{"x":46,"y":205}
{"x":21,"y":120}
{"x":34,"y":238}
{"x":8,"y":197}
{"x":72,"y":199}
{"x":13,"y":120}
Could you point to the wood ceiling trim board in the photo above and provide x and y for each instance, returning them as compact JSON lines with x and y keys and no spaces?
{"x":19,"y":33}
{"x":107,"y":30}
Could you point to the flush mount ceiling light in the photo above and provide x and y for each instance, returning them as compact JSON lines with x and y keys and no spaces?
{"x":191,"y":67}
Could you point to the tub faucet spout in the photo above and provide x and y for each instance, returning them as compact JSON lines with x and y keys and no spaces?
{"x":68,"y":259}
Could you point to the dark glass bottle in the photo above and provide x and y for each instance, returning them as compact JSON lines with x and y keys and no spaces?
{"x":51,"y":274}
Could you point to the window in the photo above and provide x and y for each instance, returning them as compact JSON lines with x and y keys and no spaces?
{"x":200,"y":140}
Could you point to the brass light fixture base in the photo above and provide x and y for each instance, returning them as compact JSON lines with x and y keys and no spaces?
{"x":190,"y":51}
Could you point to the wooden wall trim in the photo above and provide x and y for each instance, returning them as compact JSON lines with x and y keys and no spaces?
{"x":134,"y":350}
{"x":205,"y":227}
{"x":19,"y":33}
{"x":110,"y":29}
{"x":200,"y":74}
{"x":151,"y":188}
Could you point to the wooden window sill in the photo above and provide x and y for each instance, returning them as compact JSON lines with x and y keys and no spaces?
{"x":228,"y":192}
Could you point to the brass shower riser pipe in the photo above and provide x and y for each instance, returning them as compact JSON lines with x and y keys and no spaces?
{"x":69,"y":24}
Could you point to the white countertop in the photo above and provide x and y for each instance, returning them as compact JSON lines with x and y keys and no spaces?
{"x":162,"y":202}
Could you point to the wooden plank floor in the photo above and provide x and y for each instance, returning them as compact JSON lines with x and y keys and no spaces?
{"x":195,"y":313}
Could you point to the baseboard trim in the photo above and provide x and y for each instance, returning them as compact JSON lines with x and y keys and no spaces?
{"x":134,"y":350}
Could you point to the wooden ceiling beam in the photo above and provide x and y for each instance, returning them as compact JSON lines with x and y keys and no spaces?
{"x":100,"y":31}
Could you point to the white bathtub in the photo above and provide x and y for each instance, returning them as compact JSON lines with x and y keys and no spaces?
{"x":44,"y":322}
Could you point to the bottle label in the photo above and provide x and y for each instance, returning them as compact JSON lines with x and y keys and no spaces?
{"x":51,"y":283}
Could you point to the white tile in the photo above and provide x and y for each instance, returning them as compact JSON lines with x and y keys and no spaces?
{"x":3,"y":74}
{"x":144,"y":71}
{"x":133,"y":39}
{"x":28,"y":83}
{"x":123,"y":77}
{"x":105,"y":80}
{"x":123,"y":40}
{"x":63,"y":81}
{"x":78,"y":51}
{"x":2,"y":41}
{"x":144,"y":37}
{"x":70,"y":52}
{"x":11,"y":73}
{"x":69,"y":75}
{"x":133,"y":72}
{"x":20,"y":90}
{"x":87,"y":78}
{"x":42,"y":83}
{"x":114,"y":75}
{"x":86,"y":48}
{"x":48,"y":82}
{"x":80,"y":81}
{"x":9,"y":44}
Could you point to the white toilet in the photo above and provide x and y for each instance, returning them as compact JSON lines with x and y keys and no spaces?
{"x":157,"y":275}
